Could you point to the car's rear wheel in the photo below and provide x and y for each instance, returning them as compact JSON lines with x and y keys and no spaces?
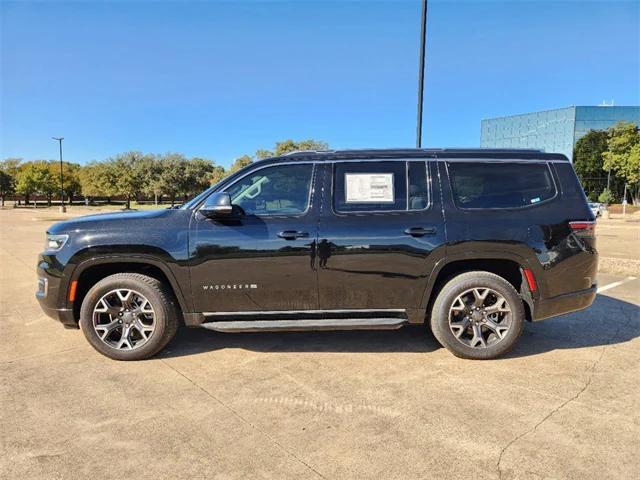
{"x":128,"y":316}
{"x":477,"y":315}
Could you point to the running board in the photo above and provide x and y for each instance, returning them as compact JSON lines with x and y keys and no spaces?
{"x":306,"y":324}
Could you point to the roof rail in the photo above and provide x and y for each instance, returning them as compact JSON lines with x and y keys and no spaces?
{"x":489,"y":149}
{"x":305,"y":152}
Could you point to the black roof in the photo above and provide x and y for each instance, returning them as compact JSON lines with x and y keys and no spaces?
{"x":441,"y":153}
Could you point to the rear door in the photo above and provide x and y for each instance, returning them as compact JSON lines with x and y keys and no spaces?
{"x":381,"y":231}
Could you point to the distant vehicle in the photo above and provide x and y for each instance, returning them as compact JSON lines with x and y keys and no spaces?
{"x":470,"y":243}
{"x":597,"y":208}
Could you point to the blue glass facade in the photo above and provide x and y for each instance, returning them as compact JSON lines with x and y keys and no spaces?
{"x":552,"y":130}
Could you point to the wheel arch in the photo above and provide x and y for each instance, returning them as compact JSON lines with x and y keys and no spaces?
{"x":506,"y":265}
{"x":90,"y":271}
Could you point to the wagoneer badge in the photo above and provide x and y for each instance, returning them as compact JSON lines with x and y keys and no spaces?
{"x":232,"y":286}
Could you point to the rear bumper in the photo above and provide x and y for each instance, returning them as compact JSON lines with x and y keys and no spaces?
{"x":565,"y":303}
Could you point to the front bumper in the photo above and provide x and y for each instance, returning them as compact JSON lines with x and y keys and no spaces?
{"x":49,"y":295}
{"x":63,"y":315}
{"x":565,"y":303}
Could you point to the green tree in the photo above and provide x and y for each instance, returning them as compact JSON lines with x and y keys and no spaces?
{"x":7,"y":185}
{"x":149,"y":169}
{"x":240,"y":163}
{"x":98,"y":179}
{"x":606,"y":197}
{"x":70,"y":172}
{"x":35,"y":177}
{"x":588,"y":161}
{"x":198,"y":175}
{"x":172,"y":175}
{"x":8,"y":171}
{"x":287,"y":146}
{"x":128,"y":183}
{"x":623,"y":156}
{"x":217,"y":174}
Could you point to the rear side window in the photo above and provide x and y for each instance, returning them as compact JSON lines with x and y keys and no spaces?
{"x":500,"y":185}
{"x":380,"y":186}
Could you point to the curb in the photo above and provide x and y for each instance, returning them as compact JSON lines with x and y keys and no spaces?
{"x":621,"y":266}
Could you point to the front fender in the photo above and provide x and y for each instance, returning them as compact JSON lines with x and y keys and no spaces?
{"x":176,"y":271}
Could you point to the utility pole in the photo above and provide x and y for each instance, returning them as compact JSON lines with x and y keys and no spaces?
{"x":62,"y":207}
{"x":423,"y":35}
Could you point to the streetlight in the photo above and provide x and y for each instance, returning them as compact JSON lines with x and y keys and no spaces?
{"x":423,"y":34}
{"x":62,"y":207}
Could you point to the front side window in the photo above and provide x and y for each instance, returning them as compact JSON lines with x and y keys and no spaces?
{"x":277,"y":190}
{"x":500,"y":185}
{"x":380,"y":186}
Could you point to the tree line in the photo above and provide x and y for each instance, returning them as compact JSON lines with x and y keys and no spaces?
{"x":608,"y":160}
{"x":129,"y":176}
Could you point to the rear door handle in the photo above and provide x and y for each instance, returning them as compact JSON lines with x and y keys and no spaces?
{"x":420,"y":231}
{"x":292,"y":234}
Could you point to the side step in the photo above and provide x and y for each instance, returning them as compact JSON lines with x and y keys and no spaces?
{"x":306,"y":324}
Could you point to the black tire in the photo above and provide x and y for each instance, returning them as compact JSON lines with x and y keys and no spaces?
{"x":440,"y":325}
{"x":162,"y":302}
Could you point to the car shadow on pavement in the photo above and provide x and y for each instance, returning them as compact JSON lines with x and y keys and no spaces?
{"x":608,"y":321}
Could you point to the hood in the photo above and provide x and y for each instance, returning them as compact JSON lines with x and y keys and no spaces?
{"x":115,"y":221}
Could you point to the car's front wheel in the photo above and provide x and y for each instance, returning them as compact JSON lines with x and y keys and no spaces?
{"x":478,"y":315}
{"x":128,"y":316}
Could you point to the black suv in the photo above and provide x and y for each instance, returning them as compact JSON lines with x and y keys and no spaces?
{"x":472,"y":243}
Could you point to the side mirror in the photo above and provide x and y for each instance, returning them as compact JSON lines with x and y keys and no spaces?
{"x":218,"y":204}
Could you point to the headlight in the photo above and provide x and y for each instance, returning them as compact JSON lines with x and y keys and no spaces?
{"x":55,"y":242}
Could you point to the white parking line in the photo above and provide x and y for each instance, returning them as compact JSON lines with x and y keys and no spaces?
{"x":615,"y":284}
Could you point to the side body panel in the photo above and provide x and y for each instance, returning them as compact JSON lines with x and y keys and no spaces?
{"x":537,"y":237}
{"x":241,"y":264}
{"x":369,"y":262}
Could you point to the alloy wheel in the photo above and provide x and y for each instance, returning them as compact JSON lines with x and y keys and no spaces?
{"x":124,"y":319}
{"x":480,"y":317}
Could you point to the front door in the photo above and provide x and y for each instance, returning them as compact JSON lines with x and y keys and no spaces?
{"x":260,"y":258}
{"x":381,"y":232}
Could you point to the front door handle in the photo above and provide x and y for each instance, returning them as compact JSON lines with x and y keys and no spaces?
{"x":420,"y":231}
{"x":292,"y":234}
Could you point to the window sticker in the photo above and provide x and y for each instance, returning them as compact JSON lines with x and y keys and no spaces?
{"x":535,"y":200}
{"x":369,"y":187}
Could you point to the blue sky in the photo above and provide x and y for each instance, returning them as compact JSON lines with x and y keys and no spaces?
{"x":219,"y":80}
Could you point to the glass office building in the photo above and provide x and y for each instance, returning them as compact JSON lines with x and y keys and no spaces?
{"x":554,"y":131}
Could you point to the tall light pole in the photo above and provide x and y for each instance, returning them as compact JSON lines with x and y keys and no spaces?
{"x":62,"y":207}
{"x":423,"y":35}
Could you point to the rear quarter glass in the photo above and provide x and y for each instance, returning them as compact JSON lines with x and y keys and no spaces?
{"x":574,"y":200}
{"x":490,"y":185}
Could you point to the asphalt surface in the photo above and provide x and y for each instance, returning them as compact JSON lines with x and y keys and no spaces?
{"x":564,"y":404}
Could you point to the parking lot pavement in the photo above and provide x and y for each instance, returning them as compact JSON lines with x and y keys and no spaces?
{"x":564,"y":404}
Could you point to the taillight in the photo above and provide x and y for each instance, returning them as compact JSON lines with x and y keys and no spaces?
{"x":583,"y":229}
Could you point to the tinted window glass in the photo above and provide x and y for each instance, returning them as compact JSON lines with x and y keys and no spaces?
{"x":570,"y":184}
{"x":500,"y":185}
{"x":370,"y":186}
{"x":277,"y":190}
{"x":418,"y":186}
